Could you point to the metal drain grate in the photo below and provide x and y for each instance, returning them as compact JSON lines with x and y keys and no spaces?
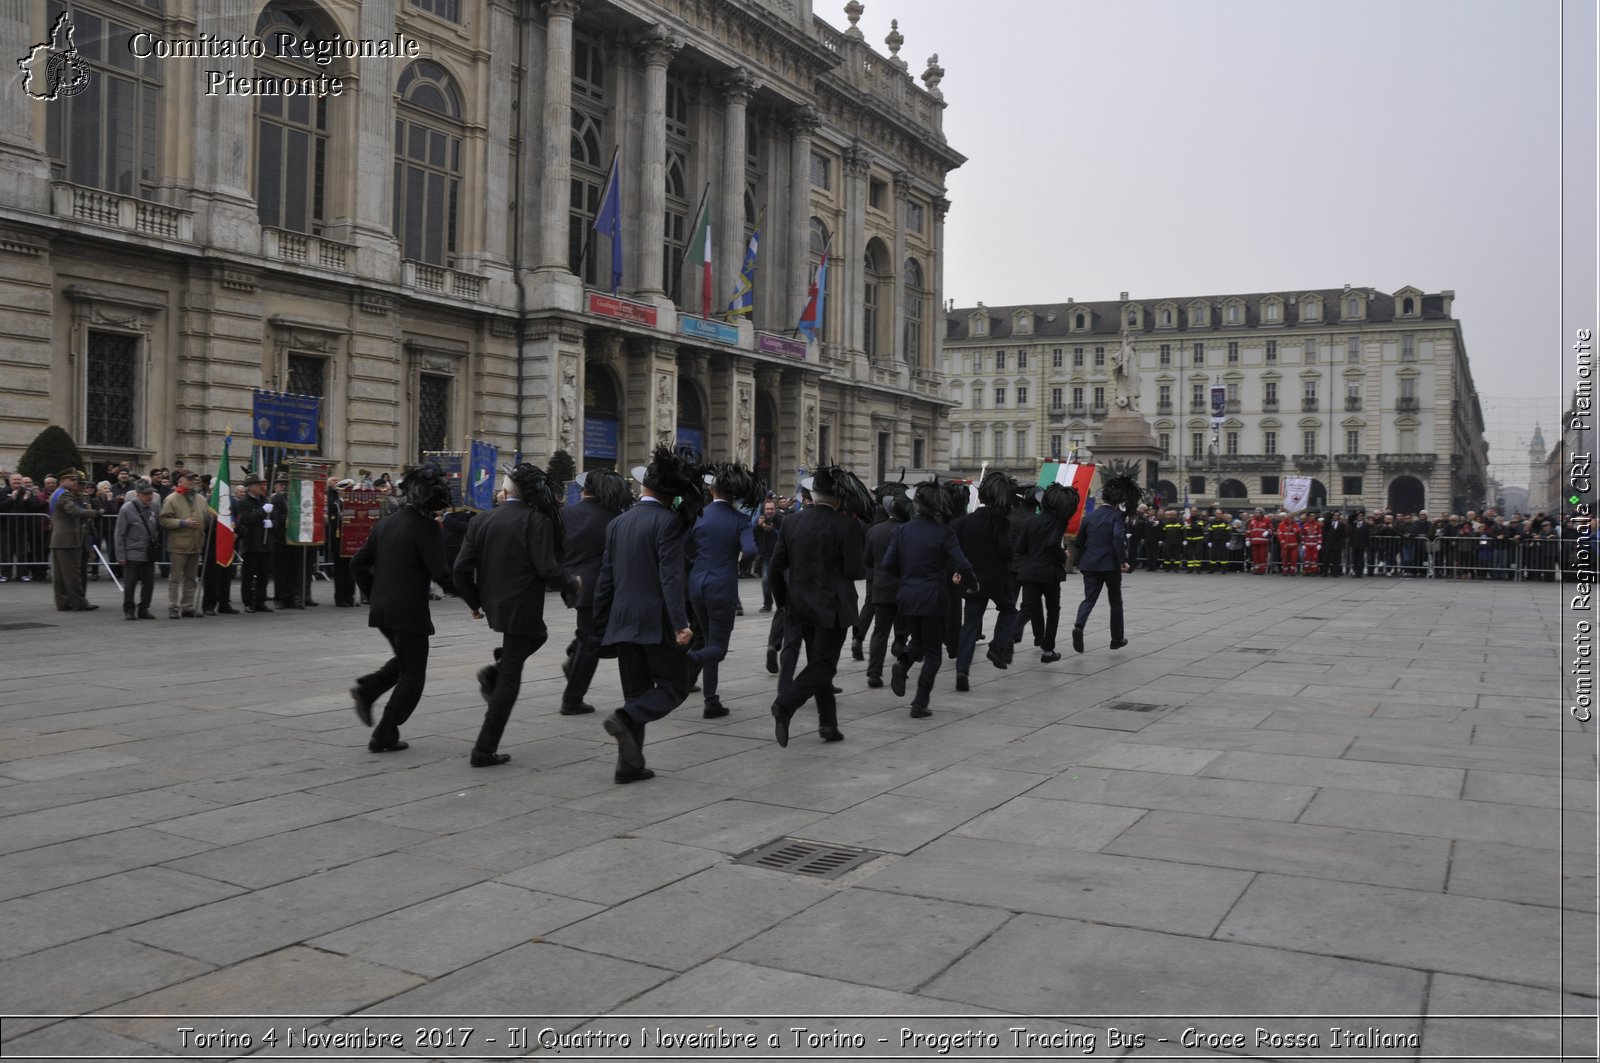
{"x":23,"y":625}
{"x":812,"y":859}
{"x":1133,"y":706}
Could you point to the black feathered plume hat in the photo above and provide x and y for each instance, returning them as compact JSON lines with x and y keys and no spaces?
{"x":735,"y":482}
{"x":1060,"y":501}
{"x":931,"y":499}
{"x":426,"y":489}
{"x":669,"y":476}
{"x":958,"y":497}
{"x":534,"y":487}
{"x":839,"y":483}
{"x":996,"y":492}
{"x":608,"y":488}
{"x":1123,"y":492}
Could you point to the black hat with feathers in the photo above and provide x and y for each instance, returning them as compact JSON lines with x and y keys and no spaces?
{"x":670,"y":476}
{"x":957,"y":498}
{"x":1060,"y":501}
{"x":1123,"y":492}
{"x":426,"y":489}
{"x":609,"y":489}
{"x":845,"y":486}
{"x":736,"y":483}
{"x":534,"y":487}
{"x":996,"y":493}
{"x":932,"y":499}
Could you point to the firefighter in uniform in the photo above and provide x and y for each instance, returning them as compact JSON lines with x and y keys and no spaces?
{"x":1218,"y":530}
{"x":1288,"y":536}
{"x":1171,"y":541}
{"x":1311,"y":543}
{"x":1257,"y":532}
{"x":1194,"y":543}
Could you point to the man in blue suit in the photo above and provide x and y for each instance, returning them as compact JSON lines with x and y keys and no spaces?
{"x":641,"y":608}
{"x":719,"y":537}
{"x":1102,"y":550}
{"x":926,"y":557}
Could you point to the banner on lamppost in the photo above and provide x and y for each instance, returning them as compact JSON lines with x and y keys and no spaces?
{"x":1219,"y":404}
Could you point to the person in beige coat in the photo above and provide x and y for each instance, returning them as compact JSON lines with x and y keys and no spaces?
{"x":185,"y":516}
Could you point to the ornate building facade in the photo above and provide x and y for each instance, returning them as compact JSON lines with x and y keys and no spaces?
{"x":1369,"y":393}
{"x":390,"y":204}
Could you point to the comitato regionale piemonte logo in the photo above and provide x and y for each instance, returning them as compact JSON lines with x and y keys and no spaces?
{"x":53,"y":69}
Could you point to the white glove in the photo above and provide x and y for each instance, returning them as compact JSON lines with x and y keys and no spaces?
{"x":266,"y":507}
{"x":266,"y":524}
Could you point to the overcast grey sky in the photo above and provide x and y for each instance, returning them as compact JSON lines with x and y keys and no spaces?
{"x":1177,"y":147}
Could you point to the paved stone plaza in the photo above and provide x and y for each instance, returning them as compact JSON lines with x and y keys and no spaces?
{"x":1356,"y":801}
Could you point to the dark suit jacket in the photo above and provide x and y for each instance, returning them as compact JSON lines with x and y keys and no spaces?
{"x":885,"y":585}
{"x":716,"y":541}
{"x":640,"y":596}
{"x":505,"y":562}
{"x":1043,"y":560}
{"x":1102,"y":541}
{"x":401,"y":556}
{"x":249,"y":534}
{"x":583,"y":534}
{"x":922,"y":554}
{"x":985,"y":537}
{"x":818,"y":558}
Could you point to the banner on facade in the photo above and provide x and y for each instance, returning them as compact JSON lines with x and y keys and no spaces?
{"x":1219,"y":404}
{"x":767,"y":343}
{"x":622,"y":309}
{"x":1296,"y":492}
{"x":704,"y":329}
{"x":483,"y":459}
{"x":359,"y":510}
{"x":599,"y":438}
{"x":283,"y":420}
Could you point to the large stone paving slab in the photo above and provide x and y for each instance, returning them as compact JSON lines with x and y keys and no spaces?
{"x":614,"y":871}
{"x":47,"y":867}
{"x":86,"y":976}
{"x":1144,"y":789}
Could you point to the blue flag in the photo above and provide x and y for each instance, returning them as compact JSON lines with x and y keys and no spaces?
{"x":744,"y":292}
{"x":608,"y":220}
{"x":481,"y":463}
{"x":811,"y":316}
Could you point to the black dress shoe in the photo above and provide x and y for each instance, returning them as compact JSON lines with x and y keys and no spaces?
{"x":213,"y":612}
{"x":1049,"y":657}
{"x":91,"y":607}
{"x":144,"y":614}
{"x":620,"y":727}
{"x":961,"y":682}
{"x":838,"y":690}
{"x":996,"y":657}
{"x":857,"y":652}
{"x":1117,"y":644}
{"x":830,"y":734}
{"x":488,"y":677}
{"x":392,"y":747}
{"x":897,"y":679}
{"x":127,"y":614}
{"x":640,"y":775}
{"x":715,"y":710}
{"x":772,"y":661}
{"x":875,"y":681}
{"x":1077,"y":640}
{"x":920,"y":712}
{"x":311,"y":604}
{"x":363,"y":705}
{"x":226,"y":608}
{"x":489,"y":760}
{"x":780,"y":724}
{"x":264,"y":608}
{"x":576,"y":708}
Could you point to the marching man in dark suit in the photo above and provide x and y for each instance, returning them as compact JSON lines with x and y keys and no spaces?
{"x":819,"y":556}
{"x":510,"y":555}
{"x":1044,"y":564}
{"x":985,"y":538}
{"x":927,"y":558}
{"x":1102,"y":552}
{"x":719,"y":536}
{"x":403,"y":555}
{"x":641,"y":608}
{"x":604,"y":494}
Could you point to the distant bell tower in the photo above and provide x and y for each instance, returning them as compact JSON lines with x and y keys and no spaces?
{"x":1538,"y":475}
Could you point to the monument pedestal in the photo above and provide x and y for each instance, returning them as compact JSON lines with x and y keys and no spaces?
{"x":1126,"y":443}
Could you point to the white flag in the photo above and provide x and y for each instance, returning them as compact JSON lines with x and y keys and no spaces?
{"x":1296,"y":490}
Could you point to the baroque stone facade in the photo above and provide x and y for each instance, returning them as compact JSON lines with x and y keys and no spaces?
{"x":1369,"y":393}
{"x":419,"y":249}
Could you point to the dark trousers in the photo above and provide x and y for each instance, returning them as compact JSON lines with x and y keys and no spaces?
{"x":583,"y":658}
{"x":655,"y":679}
{"x":1112,"y":582}
{"x":1358,"y":561}
{"x":972,"y":627}
{"x":344,"y":586}
{"x":514,"y":650}
{"x":864,"y":621}
{"x":716,"y":626}
{"x":764,"y":562}
{"x":784,"y":638}
{"x":405,"y":673}
{"x":1041,"y":603}
{"x":952,"y":621}
{"x":142,"y":574}
{"x":924,"y":638}
{"x":886,"y":619}
{"x":253,"y":580}
{"x":285,"y":584}
{"x":815,"y":681}
{"x":216,"y":582}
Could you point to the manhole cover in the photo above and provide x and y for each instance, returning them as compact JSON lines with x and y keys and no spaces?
{"x":812,"y":859}
{"x":23,"y":625}
{"x":1133,"y":706}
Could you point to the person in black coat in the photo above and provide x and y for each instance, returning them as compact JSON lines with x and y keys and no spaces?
{"x":603,"y":495}
{"x":1360,"y":538}
{"x":1044,"y":565}
{"x":818,"y":558}
{"x":719,"y":537}
{"x":884,"y":586}
{"x":985,"y":538}
{"x":1335,"y":533}
{"x":641,"y":606}
{"x":394,"y":569}
{"x":252,"y":530}
{"x":508,"y":558}
{"x":926,"y":557}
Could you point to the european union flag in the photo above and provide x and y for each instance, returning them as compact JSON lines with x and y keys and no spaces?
{"x":609,"y":220}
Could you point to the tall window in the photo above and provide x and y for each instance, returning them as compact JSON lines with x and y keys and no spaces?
{"x":1199,"y":353}
{"x":1352,"y":348}
{"x":113,"y":389}
{"x":1022,"y":441}
{"x":1408,"y":348}
{"x":1352,"y":441}
{"x":999,"y":395}
{"x":427,"y":163}
{"x":869,"y":302}
{"x":1269,"y":442}
{"x":1164,"y":397}
{"x":291,"y":134}
{"x":1055,"y":396}
{"x":1408,"y":388}
{"x":1231,"y":440}
{"x":1271,"y":312}
{"x":1308,"y":441}
{"x":1233,"y":345}
{"x":999,"y":361}
{"x":915,"y":297}
{"x":1166,"y":444}
{"x":1197,"y":396}
{"x":1166,"y":354}
{"x":1197,"y":443}
{"x":1311,"y":352}
{"x":1077,"y":396}
{"x":1022,"y":394}
{"x":106,"y":135}
{"x":999,"y":443}
{"x":1272,"y":352}
{"x":445,"y":9}
{"x":1055,"y":358}
{"x":1311,"y":393}
{"x":1269,"y":392}
{"x":308,"y":376}
{"x":1077,"y":357}
{"x":433,"y":412}
{"x":1055,"y":444}
{"x":1022,"y":359}
{"x":588,"y":67}
{"x":1100,"y":397}
{"x":588,"y":176}
{"x":821,"y":171}
{"x":913,"y":216}
{"x":1099,"y":357}
{"x":675,"y":226}
{"x":1352,"y":394}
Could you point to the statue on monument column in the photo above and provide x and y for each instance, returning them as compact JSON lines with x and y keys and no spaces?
{"x":1125,"y":374}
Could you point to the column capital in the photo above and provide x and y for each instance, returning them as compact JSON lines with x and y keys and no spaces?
{"x":561,"y":8}
{"x":903,"y":182}
{"x":857,"y":161}
{"x":658,"y":46}
{"x":941,"y":206}
{"x":803,"y":121}
{"x":739,"y":86}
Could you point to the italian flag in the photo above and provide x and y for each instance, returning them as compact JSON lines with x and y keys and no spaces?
{"x":700,"y":251}
{"x":222,"y":505}
{"x":1071,"y":475}
{"x":307,"y":504}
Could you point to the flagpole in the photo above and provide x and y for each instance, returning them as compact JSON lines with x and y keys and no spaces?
{"x":698,"y":215}
{"x":588,"y":236}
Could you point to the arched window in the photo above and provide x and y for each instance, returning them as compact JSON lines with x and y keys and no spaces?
{"x":104,"y":127}
{"x":427,"y":163}
{"x":292,"y":143}
{"x":588,"y":175}
{"x":915,"y":297}
{"x":1408,"y":306}
{"x":1077,"y":321}
{"x":818,"y":242}
{"x":869,"y":301}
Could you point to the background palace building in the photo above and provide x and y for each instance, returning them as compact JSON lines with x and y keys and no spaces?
{"x":412,"y":250}
{"x":1368,"y":392}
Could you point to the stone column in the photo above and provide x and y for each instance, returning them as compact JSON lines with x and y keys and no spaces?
{"x":370,"y":218}
{"x":848,"y":254}
{"x":657,"y":48}
{"x":222,"y":193}
{"x":24,"y":170}
{"x":803,"y":122}
{"x":737,"y":89}
{"x":897,"y":286}
{"x":934,"y":319}
{"x":555,"y":175}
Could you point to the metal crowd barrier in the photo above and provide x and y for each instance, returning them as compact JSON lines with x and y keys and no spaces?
{"x":1439,"y":557}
